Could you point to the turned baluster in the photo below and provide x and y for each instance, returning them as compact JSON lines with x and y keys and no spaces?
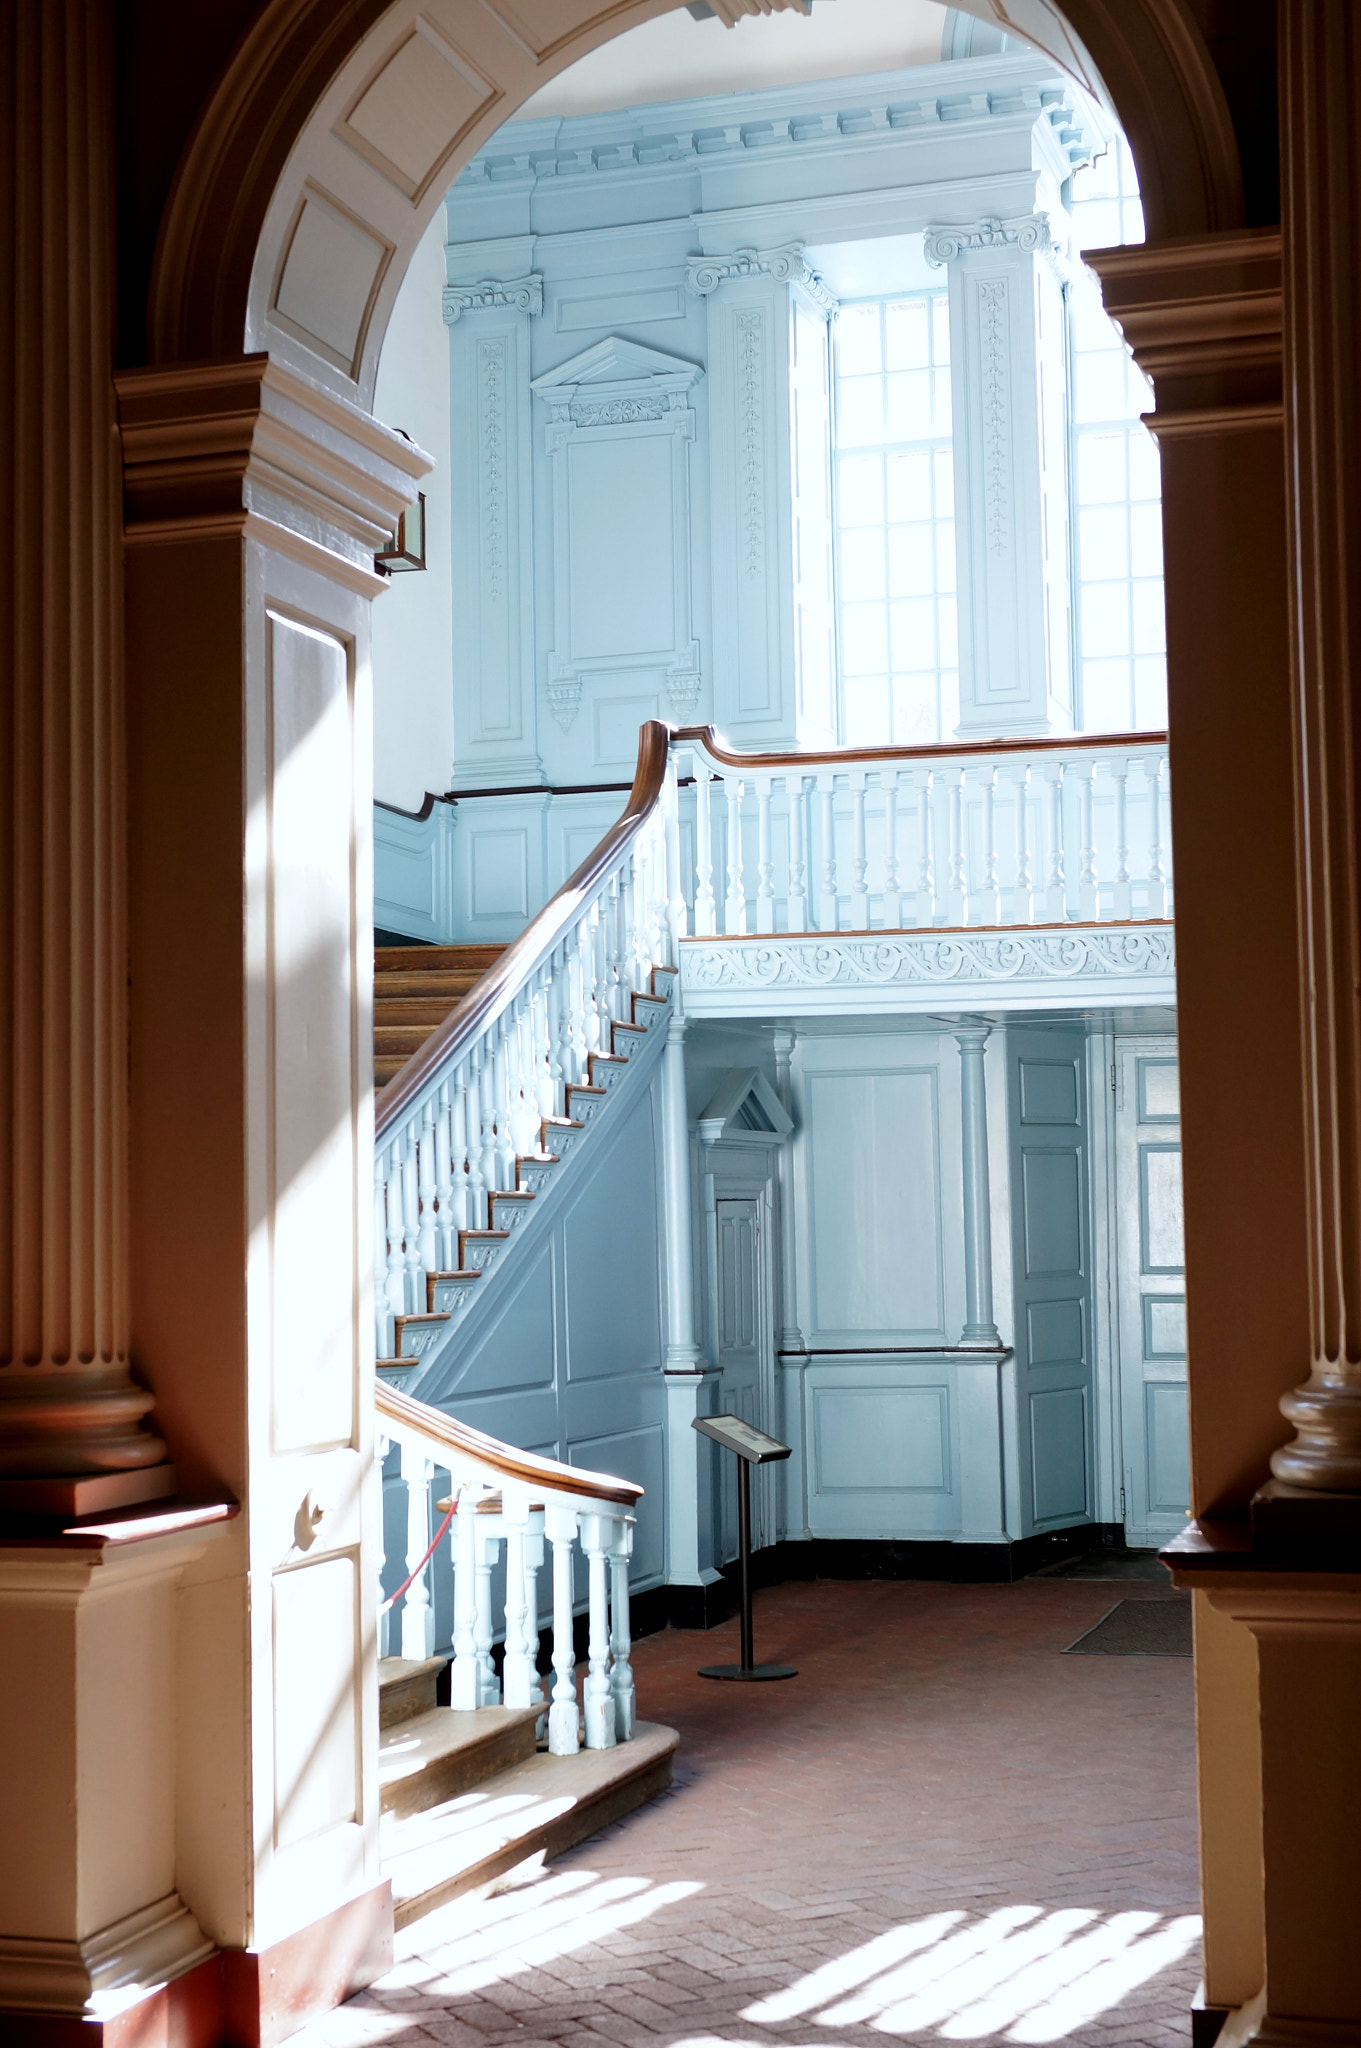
{"x":641,"y":954}
{"x":396,"y":1232}
{"x":1157,"y":880}
{"x":563,"y":979}
{"x":382,"y":1312}
{"x":486,"y":1544}
{"x":924,"y":908}
{"x":860,"y":892}
{"x":515,"y":1672}
{"x":1122,"y":906}
{"x":526,"y":1129}
{"x":893,"y":895}
{"x":427,"y":1241}
{"x":413,"y":1291}
{"x":1087,"y":890}
{"x":564,"y":1715}
{"x":599,"y":1712}
{"x":418,"y":1614}
{"x":505,"y":1099}
{"x":558,"y":1036}
{"x":487,"y":1127}
{"x":829,"y":911}
{"x":533,"y":1566}
{"x":542,"y":1098}
{"x":958,"y":913}
{"x":765,"y":865}
{"x":989,"y":890}
{"x":477,"y":1179}
{"x":1056,"y":891}
{"x":464,"y":1685}
{"x":735,"y":902}
{"x":1023,"y":888}
{"x":659,"y":947}
{"x":621,"y":1641}
{"x":588,"y":1013}
{"x":677,"y":914}
{"x":464,"y":1213}
{"x":446,"y":1242}
{"x":797,"y":902}
{"x":602,"y":966}
{"x":705,"y":920}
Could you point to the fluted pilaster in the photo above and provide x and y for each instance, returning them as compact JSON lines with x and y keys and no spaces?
{"x":1321,"y":224}
{"x":67,"y":1403}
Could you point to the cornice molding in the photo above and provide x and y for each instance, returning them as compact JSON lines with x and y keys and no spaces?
{"x":1204,"y":318}
{"x":492,"y":295}
{"x":217,"y":447}
{"x":787,"y":265}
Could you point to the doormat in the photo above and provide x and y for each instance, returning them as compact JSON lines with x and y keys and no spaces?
{"x":1139,"y":1628}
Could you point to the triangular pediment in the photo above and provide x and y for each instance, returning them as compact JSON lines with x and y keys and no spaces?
{"x":747,"y":1108}
{"x":617,"y":366}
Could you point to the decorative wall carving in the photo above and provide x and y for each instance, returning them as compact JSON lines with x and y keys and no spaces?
{"x":929,"y":958}
{"x":992,"y":322}
{"x":750,"y":378}
{"x":517,"y":295}
{"x":491,"y":382}
{"x":787,"y":265}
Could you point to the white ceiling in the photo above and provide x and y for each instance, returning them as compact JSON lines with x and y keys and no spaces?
{"x":677,"y":57}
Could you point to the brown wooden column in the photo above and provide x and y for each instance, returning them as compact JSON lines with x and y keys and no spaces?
{"x":1321,"y":226}
{"x":68,"y":1405}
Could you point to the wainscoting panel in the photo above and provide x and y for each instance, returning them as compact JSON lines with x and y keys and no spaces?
{"x":883,"y":1450}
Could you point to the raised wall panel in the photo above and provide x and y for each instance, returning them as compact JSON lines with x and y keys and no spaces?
{"x":1049,"y":1091}
{"x":612,"y":1228}
{"x":891,"y":1440}
{"x":1164,"y":1326}
{"x":874,"y":1178}
{"x":1169,"y":1469}
{"x":621,"y":544}
{"x":1051,"y":1196}
{"x":1161,"y":1240}
{"x":580,"y":312}
{"x":639,"y":1455}
{"x":500,"y":872}
{"x":328,"y":282}
{"x":1159,"y":1091}
{"x":520,"y":1355}
{"x":616,"y":722}
{"x":312,"y":1054}
{"x":317,"y":1674}
{"x":1055,"y":1332}
{"x":416,"y":107}
{"x":1058,"y":1454}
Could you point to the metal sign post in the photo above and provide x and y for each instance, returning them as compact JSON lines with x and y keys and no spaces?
{"x":753,"y":1447}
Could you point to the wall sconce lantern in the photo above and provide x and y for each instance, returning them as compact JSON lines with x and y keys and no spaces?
{"x":407,"y":550}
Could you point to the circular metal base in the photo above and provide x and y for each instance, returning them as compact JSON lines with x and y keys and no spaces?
{"x":756,"y":1671}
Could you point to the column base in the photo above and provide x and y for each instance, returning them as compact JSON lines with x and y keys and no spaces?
{"x":234,"y":1998}
{"x":86,"y":1493}
{"x":1283,"y":1514}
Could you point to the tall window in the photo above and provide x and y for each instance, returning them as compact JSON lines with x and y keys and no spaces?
{"x":1121,"y":658}
{"x":895,"y":521}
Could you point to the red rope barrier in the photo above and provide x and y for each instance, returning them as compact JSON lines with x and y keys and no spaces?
{"x":393,"y":1598}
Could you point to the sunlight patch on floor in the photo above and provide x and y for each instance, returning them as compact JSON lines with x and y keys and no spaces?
{"x":1021,"y":1973}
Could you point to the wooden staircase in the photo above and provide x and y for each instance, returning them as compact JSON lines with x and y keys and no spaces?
{"x":468,"y":1796}
{"x":414,"y":989}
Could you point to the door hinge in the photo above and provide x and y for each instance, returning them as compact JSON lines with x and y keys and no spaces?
{"x":1122,"y":1503}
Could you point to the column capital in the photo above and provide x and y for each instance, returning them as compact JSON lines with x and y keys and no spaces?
{"x":785,"y":265}
{"x":494,"y":295}
{"x":1029,"y":234}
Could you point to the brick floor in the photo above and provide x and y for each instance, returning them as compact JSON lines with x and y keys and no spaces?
{"x":938,"y":1781}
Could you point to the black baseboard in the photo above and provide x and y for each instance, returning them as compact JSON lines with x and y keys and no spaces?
{"x":1207,"y":2021}
{"x":703,"y":1606}
{"x":382,"y":937}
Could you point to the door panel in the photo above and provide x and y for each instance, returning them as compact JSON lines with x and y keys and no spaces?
{"x":740,"y":1337}
{"x":1151,"y":1296}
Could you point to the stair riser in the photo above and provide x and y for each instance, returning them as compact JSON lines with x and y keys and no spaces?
{"x":448,"y":1777}
{"x":450,"y":1296}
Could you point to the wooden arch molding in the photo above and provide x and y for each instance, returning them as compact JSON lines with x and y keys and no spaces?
{"x":339,"y":124}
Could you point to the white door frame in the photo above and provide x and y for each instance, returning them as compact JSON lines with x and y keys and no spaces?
{"x":745,"y":1173}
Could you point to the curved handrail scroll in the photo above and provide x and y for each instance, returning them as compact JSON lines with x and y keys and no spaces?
{"x":463,"y":1442}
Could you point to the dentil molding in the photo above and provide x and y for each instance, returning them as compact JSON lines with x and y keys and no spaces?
{"x":493,"y":295}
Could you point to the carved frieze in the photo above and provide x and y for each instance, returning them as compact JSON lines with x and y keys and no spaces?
{"x":927,"y":959}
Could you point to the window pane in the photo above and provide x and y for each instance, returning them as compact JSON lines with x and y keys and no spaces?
{"x":864,"y":638}
{"x":857,"y":341}
{"x":909,"y":484}
{"x":861,"y":490}
{"x":911,"y":561}
{"x":1103,"y":543}
{"x":1105,"y":618}
{"x":908,"y":336}
{"x":860,"y":412}
{"x":907,"y":416}
{"x":862,"y":565}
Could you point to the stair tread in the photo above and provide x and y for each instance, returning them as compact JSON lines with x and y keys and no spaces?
{"x":406,"y":1688}
{"x":408,"y":1748}
{"x":430,"y":1010}
{"x":547,"y":1802}
{"x":385,"y":958}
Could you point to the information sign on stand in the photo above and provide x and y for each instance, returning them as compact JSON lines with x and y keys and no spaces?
{"x":753,"y":1447}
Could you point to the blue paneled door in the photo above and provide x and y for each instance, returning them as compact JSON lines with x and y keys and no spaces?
{"x":1051,"y":1262}
{"x":1151,"y":1291}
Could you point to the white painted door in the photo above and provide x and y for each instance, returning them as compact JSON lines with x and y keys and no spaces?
{"x":1151,"y":1285}
{"x":741,"y":1340}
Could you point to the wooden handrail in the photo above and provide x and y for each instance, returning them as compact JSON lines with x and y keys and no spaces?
{"x":488,"y":996}
{"x":544,"y":1474}
{"x":713,"y":742}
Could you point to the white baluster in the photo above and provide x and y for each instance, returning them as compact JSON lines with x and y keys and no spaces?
{"x":559,"y":1036}
{"x":427,"y":1240}
{"x":989,"y":890}
{"x":464,"y":1686}
{"x":515,"y":1672}
{"x":382,"y":1311}
{"x":893,"y":895}
{"x":446,"y":1240}
{"x":765,"y":865}
{"x":621,"y":1643}
{"x":798,"y":870}
{"x":735,"y":902}
{"x":1023,"y":888}
{"x":959,"y":880}
{"x":1087,"y":894}
{"x":564,"y":1716}
{"x":677,"y":916}
{"x":1056,"y":891}
{"x":640,"y":955}
{"x":533,"y":1566}
{"x":829,"y":913}
{"x":386,"y":1620}
{"x":860,"y":894}
{"x":541,"y":1017}
{"x":396,"y":1192}
{"x":1122,"y":908}
{"x":1157,"y":880}
{"x":607,"y":995}
{"x":571,"y":1042}
{"x":477,"y":1145}
{"x":418,"y":1615}
{"x":487,"y":1543}
{"x":413,"y":1291}
{"x":599,"y":1712}
{"x":705,"y":919}
{"x":924,"y":909}
{"x":505,"y":1101}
